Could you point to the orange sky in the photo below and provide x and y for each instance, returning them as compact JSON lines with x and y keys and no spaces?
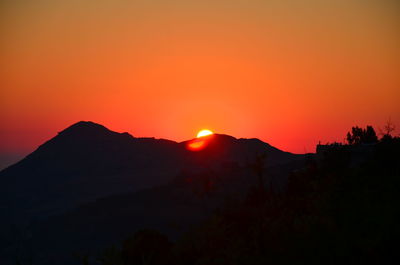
{"x":288,"y":72}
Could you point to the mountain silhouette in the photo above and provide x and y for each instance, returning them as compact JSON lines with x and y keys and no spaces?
{"x":87,"y":163}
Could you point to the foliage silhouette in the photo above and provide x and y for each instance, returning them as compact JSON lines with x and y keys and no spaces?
{"x":332,"y":212}
{"x":359,"y":135}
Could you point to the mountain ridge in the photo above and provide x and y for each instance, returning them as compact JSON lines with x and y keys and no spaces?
{"x":87,"y":162}
{"x":93,"y":161}
{"x":89,"y":130}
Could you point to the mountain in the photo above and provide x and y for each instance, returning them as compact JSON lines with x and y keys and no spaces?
{"x":86,"y":165}
{"x":82,"y":163}
{"x":87,"y":161}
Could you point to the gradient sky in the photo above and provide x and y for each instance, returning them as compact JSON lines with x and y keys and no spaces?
{"x":288,"y":72}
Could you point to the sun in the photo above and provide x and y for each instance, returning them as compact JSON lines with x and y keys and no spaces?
{"x":204,"y":133}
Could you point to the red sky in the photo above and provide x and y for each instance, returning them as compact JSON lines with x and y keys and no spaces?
{"x":288,"y":72}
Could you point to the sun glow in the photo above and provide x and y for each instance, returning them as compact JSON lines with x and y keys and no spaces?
{"x":196,"y":145}
{"x":204,"y":133}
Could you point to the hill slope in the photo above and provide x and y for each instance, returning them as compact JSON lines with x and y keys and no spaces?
{"x":87,"y":162}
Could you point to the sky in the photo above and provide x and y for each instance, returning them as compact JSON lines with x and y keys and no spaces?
{"x":291,"y":73}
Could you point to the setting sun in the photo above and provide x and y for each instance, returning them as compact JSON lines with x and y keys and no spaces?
{"x":204,"y":133}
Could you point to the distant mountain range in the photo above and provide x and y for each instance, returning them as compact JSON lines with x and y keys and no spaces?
{"x":89,"y":178}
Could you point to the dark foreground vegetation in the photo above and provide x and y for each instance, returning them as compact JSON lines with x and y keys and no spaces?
{"x":341,"y":208}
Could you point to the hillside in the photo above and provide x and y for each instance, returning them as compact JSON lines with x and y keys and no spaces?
{"x":87,"y":165}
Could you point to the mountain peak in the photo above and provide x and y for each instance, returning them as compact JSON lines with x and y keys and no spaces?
{"x":85,"y":125}
{"x":88,"y":129}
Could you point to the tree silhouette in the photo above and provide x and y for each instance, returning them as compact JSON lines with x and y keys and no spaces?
{"x":356,"y":135}
{"x":349,"y":138}
{"x":369,"y":135}
{"x":388,"y":129}
{"x":359,"y":135}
